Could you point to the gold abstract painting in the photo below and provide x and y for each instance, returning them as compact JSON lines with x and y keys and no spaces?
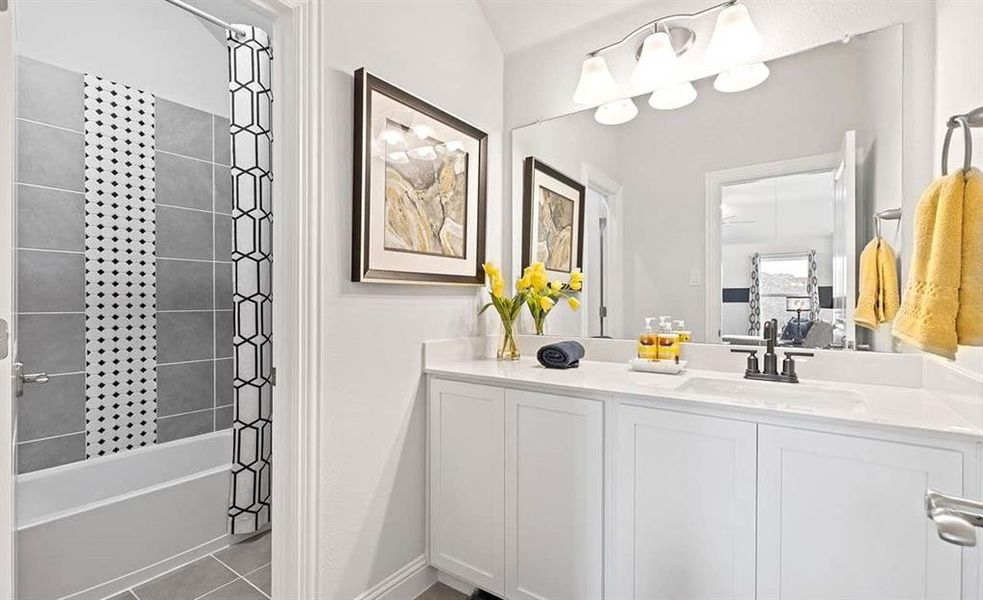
{"x":426,"y":196}
{"x":554,"y":244}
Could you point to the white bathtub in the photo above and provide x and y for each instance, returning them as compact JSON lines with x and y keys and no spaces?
{"x":92,"y":528}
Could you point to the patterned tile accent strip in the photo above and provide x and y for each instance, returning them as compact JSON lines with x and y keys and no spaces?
{"x":120,"y":269}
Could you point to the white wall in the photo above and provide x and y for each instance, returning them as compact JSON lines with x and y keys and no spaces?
{"x":147,"y":44}
{"x":959,"y":88}
{"x":373,"y":406}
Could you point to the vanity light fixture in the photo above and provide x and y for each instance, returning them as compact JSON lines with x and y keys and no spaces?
{"x":732,"y":50}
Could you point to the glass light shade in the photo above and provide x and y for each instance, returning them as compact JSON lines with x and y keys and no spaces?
{"x":658,"y":66}
{"x":735,"y":39}
{"x":616,"y":113}
{"x":741,"y":77}
{"x":674,"y":96}
{"x":596,"y":84}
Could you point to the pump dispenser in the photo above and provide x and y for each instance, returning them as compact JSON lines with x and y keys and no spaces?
{"x":668,"y":341}
{"x":648,"y":341}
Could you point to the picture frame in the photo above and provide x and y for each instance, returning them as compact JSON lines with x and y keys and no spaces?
{"x":419,"y":193}
{"x":557,"y":241}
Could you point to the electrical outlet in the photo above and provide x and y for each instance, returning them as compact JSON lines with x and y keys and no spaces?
{"x":695,"y":277}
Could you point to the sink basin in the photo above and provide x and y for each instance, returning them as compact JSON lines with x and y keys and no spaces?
{"x":786,"y":396}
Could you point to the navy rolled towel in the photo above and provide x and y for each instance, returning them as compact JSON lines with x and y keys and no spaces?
{"x":561,"y":355}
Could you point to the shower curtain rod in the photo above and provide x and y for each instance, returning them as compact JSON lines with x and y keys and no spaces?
{"x":238,"y":33}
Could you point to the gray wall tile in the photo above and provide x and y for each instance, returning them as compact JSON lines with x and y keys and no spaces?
{"x":223,"y":285}
{"x":50,"y":157}
{"x":183,"y":181}
{"x":44,"y":454}
{"x":223,"y":189}
{"x":183,"y":130}
{"x":184,"y":388}
{"x":237,"y":590}
{"x":223,"y":333}
{"x":223,"y":141}
{"x":183,"y":426}
{"x":52,"y":343}
{"x":189,"y":581}
{"x":223,"y":418}
{"x":184,"y":285}
{"x":55,"y":408}
{"x":184,"y":336}
{"x":223,"y":237}
{"x":50,"y":219}
{"x":223,"y":382}
{"x":49,"y":94}
{"x":50,"y":281}
{"x":184,"y":233}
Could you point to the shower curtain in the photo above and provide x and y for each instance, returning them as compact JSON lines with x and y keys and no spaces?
{"x":813,"y":287}
{"x":252,"y":257}
{"x":754,"y":301}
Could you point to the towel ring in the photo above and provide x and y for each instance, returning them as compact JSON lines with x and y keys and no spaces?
{"x":951,"y":125}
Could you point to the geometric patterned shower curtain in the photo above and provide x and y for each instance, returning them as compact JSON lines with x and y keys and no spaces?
{"x":252,"y":256}
{"x":754,"y":302}
{"x":812,"y":285}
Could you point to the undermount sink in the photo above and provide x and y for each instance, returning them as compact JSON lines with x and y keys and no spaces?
{"x":776,"y":395}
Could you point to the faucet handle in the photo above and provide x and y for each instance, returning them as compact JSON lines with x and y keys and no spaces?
{"x":788,"y":365}
{"x":752,"y":360}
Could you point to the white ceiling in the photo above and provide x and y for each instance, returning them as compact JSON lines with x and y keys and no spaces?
{"x":520,"y":24}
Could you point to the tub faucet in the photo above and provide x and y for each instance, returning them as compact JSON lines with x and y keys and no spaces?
{"x":770,"y":371}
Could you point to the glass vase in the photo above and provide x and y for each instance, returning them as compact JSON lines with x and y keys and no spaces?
{"x":507,"y":348}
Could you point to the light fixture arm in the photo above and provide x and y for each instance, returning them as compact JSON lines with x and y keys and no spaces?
{"x":653,"y":25}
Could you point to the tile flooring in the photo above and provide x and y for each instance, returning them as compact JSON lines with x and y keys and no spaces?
{"x":439,"y":591}
{"x":239,"y":572}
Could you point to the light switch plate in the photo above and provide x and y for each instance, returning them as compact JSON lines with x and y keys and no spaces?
{"x":695,"y":277}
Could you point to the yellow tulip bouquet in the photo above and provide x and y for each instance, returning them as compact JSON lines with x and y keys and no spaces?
{"x":508,"y":309}
{"x":542,"y":294}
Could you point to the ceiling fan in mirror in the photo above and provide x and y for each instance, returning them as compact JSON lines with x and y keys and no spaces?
{"x":732,"y":53}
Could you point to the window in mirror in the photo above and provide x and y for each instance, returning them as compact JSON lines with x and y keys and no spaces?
{"x":782,"y":276}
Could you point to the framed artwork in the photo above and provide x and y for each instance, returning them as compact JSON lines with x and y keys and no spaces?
{"x":420,"y":180}
{"x":552,"y":219}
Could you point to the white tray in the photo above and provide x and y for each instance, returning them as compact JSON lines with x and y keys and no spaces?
{"x":666,"y":367}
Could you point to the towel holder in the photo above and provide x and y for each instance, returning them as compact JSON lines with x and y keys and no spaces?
{"x":972,"y":119}
{"x":891,"y":214}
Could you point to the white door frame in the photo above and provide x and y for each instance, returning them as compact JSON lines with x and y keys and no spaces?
{"x":715,"y":180}
{"x":613,"y":191}
{"x":298,"y":129}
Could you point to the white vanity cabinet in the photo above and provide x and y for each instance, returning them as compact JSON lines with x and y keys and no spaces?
{"x":842,"y":517}
{"x":685,"y":494}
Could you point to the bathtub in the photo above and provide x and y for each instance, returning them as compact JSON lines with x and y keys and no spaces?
{"x":93,"y":528}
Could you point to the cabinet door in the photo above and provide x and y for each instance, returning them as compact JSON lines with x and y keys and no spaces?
{"x":467,"y":475}
{"x":554,"y":489}
{"x":684,"y":506}
{"x":843,"y":517}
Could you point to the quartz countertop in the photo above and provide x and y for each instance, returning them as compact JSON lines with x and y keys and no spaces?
{"x":880,"y":405}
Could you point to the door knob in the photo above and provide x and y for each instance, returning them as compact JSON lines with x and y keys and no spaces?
{"x":21,"y":378}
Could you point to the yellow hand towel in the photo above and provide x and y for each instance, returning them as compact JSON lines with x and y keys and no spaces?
{"x":888,"y":292}
{"x":867,"y":298}
{"x":927,"y":318}
{"x":969,"y":320}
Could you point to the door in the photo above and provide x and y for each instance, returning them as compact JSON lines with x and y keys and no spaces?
{"x":597,"y":262}
{"x":554,"y":490}
{"x":8,"y":346}
{"x":684,"y":506}
{"x":466,"y":482}
{"x":841,"y":517}
{"x":845,"y":242}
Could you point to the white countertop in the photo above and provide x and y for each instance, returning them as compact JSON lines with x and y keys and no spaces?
{"x":891,"y":406}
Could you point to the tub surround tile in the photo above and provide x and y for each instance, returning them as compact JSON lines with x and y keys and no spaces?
{"x":50,"y":219}
{"x":185,"y":387}
{"x":187,"y":583}
{"x":50,"y":281}
{"x":56,"y":408}
{"x":262,"y":578}
{"x":223,"y":382}
{"x":247,"y":555}
{"x":223,"y":140}
{"x":52,"y":343}
{"x":223,"y":418}
{"x":223,"y":333}
{"x":184,"y":336}
{"x":223,"y":238}
{"x":184,"y":233}
{"x":183,"y":181}
{"x":49,"y":94}
{"x":50,"y":452}
{"x":183,"y":130}
{"x":239,"y":589}
{"x":183,"y":426}
{"x":184,"y":285}
{"x":50,"y":157}
{"x":223,"y":286}
{"x":223,"y":189}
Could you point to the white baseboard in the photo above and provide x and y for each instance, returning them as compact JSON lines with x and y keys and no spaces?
{"x":455,"y":583}
{"x":405,"y":584}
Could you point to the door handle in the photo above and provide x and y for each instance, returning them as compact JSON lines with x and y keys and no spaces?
{"x":21,"y":378}
{"x":955,"y":518}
